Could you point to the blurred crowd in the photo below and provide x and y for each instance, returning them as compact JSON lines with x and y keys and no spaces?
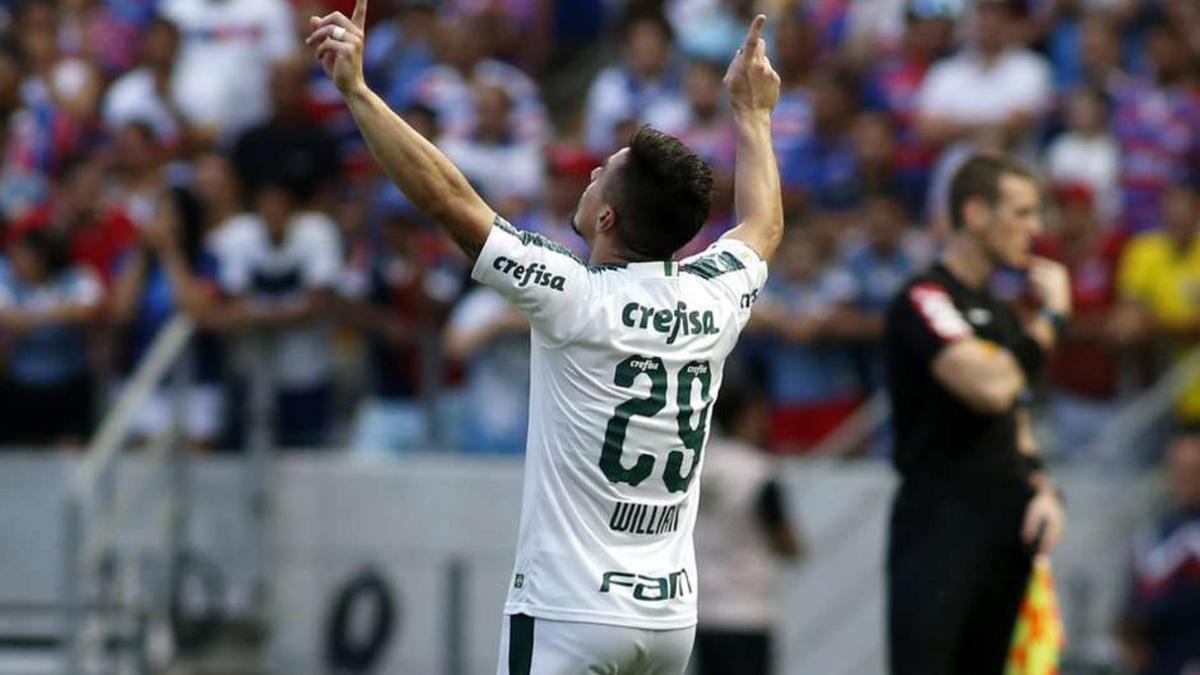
{"x":164,"y":156}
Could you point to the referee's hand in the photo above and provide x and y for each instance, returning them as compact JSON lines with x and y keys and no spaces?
{"x":1044,"y":520}
{"x":1051,"y":284}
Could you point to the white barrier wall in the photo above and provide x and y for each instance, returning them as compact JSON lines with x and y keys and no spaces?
{"x":442,"y":533}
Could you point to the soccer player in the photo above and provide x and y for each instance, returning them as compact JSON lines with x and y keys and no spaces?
{"x":975,"y":504}
{"x":626,"y":360}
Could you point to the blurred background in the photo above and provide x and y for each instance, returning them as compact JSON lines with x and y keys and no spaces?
{"x":256,"y":418}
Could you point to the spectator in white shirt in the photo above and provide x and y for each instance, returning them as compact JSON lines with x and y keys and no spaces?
{"x":491,"y":340}
{"x":144,"y":93}
{"x":647,"y":87}
{"x":508,"y":171}
{"x":228,"y":48}
{"x":63,"y":81}
{"x":1087,"y":153}
{"x":994,"y":87}
{"x":468,"y":62}
{"x":280,"y":268}
{"x":743,"y":533}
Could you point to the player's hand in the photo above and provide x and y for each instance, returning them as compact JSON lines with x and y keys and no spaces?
{"x":752,"y":83}
{"x":1050,"y":284}
{"x":1044,"y":520}
{"x":339,"y":44}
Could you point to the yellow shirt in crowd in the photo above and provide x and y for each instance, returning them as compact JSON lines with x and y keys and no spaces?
{"x":1167,"y":282}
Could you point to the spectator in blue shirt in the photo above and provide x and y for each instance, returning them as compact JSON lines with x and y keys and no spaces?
{"x":806,"y":314}
{"x":401,"y":49}
{"x":825,"y":164}
{"x":46,"y":306}
{"x":172,"y":271}
{"x":1160,"y":631}
{"x":889,"y":253}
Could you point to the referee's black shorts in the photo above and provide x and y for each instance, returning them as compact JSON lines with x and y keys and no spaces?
{"x":957,"y":572}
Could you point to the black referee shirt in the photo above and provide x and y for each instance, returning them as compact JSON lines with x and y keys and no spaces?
{"x":937,"y":434}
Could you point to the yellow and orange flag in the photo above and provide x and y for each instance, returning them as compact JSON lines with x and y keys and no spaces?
{"x":1038,"y":639}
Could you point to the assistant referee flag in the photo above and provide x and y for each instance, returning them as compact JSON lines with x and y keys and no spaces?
{"x":1038,"y":639}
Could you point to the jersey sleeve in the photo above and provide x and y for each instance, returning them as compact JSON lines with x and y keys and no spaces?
{"x":925,"y":320}
{"x":543,"y":280}
{"x":735,"y":268}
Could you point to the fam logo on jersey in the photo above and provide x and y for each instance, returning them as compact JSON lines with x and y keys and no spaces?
{"x":665,"y":321}
{"x":535,"y":274}
{"x":647,"y":588}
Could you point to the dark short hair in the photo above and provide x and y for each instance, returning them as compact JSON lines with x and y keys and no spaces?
{"x":884,"y":193}
{"x":50,"y":247}
{"x":192,"y":217}
{"x":639,"y":13}
{"x":417,"y":108}
{"x":1014,"y":8}
{"x":979,"y":177}
{"x":160,"y":21}
{"x":661,"y":195}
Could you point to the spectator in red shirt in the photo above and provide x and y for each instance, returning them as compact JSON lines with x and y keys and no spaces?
{"x":570,"y":169}
{"x":98,"y":233}
{"x":1084,"y":369}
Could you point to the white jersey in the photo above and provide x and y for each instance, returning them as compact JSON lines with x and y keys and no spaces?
{"x":626,"y":361}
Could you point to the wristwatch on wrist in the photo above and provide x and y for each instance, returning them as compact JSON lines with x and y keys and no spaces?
{"x":1057,"y":321}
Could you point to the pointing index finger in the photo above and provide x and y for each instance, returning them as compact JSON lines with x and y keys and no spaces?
{"x":755,"y":33}
{"x":360,"y":13}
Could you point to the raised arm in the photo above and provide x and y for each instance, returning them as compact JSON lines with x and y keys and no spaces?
{"x":753,"y":89}
{"x":419,"y":169}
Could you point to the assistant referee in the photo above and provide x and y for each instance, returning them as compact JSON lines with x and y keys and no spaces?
{"x":975,"y":504}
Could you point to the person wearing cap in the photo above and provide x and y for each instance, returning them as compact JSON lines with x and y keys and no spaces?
{"x":1083,"y":372}
{"x":1087,"y":153}
{"x":569,"y":172}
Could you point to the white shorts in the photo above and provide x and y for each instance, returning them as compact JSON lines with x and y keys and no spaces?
{"x":530,"y":646}
{"x":203,"y":413}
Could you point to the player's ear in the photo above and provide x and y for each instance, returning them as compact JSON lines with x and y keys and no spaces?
{"x":607,"y":220}
{"x":976,"y":213}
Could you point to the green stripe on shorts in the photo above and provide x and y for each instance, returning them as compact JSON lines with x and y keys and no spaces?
{"x":520,"y":644}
